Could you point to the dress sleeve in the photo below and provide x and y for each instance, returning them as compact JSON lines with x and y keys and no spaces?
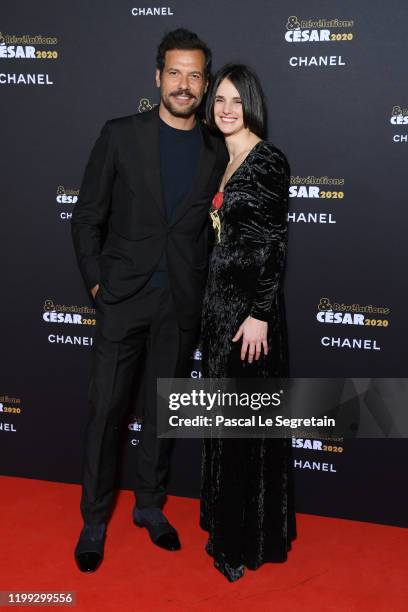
{"x":271,"y":175}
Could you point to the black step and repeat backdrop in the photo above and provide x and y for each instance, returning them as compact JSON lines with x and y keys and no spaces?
{"x":335,"y":78}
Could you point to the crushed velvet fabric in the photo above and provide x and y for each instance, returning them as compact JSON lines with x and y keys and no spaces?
{"x":247,"y":503}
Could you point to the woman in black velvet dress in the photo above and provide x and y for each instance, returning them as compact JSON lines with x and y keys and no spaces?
{"x":247,"y":502}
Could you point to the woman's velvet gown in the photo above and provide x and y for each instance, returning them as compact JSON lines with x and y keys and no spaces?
{"x":247,"y":503}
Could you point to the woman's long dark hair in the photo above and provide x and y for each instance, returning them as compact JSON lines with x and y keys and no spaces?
{"x":252,"y":97}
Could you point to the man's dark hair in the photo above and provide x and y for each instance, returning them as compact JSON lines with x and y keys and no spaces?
{"x":251,"y":94}
{"x":183,"y":39}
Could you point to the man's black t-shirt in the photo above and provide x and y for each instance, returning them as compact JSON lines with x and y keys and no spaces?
{"x":179,"y":154}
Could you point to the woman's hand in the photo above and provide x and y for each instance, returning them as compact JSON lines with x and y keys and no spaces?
{"x":254,"y":334}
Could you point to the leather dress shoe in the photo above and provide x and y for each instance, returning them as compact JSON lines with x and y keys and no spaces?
{"x":90,"y":547}
{"x":160,"y":531}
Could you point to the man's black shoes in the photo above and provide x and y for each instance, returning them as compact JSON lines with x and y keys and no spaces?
{"x":90,"y":547}
{"x":161,"y":532}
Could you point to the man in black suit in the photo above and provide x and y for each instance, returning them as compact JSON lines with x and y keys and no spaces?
{"x":140,"y":236}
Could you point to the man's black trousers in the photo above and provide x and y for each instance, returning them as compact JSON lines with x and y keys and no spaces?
{"x":157,"y":345}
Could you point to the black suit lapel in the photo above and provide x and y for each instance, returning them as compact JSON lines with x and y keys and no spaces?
{"x":147,"y":139}
{"x":204,"y":170}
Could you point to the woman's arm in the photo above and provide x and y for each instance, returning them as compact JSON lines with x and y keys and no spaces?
{"x":267,"y":229}
{"x":272,"y":176}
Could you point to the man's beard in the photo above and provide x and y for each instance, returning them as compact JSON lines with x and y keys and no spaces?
{"x":180,"y":112}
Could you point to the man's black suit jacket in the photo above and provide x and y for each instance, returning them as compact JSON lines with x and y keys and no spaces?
{"x":119,"y":223}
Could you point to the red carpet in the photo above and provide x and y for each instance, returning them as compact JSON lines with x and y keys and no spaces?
{"x":334,"y":565}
